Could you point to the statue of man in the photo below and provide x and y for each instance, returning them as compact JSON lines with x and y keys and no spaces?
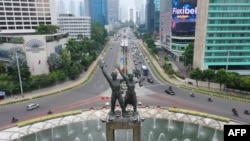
{"x":130,"y":97}
{"x":115,"y":87}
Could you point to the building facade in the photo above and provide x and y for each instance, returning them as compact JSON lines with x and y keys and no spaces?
{"x":75,"y":26}
{"x":150,"y":16}
{"x":157,"y":16}
{"x":81,"y":9}
{"x":177,"y":25}
{"x":37,"y":49}
{"x":222,"y":35}
{"x":25,"y":15}
{"x":112,"y":11}
{"x":97,"y":10}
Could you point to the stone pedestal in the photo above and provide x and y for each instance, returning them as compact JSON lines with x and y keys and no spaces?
{"x":133,"y":123}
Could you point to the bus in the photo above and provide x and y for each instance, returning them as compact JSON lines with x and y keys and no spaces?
{"x":144,"y":70}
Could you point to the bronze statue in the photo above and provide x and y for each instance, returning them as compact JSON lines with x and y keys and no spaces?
{"x":130,"y":97}
{"x":115,"y":87}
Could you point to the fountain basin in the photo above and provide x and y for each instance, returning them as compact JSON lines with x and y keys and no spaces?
{"x":159,"y":125}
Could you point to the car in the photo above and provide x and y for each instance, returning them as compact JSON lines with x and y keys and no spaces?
{"x":170,"y":92}
{"x":150,"y":80}
{"x":32,"y":106}
{"x":107,"y":103}
{"x":139,"y":103}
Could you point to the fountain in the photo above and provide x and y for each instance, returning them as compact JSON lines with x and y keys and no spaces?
{"x":91,"y":128}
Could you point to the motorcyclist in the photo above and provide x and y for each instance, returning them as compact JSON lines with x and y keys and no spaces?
{"x":192,"y":94}
{"x":49,"y":112}
{"x":14,"y":119}
{"x":209,"y":99}
{"x":235,"y":111}
{"x":246,"y":112}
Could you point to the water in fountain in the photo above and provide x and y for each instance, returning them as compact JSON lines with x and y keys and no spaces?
{"x":90,"y":137}
{"x":150,"y":136}
{"x":162,"y":137}
{"x":154,"y":123}
{"x":104,"y":137}
{"x":77,"y":139}
{"x":98,"y":125}
{"x":87,"y":131}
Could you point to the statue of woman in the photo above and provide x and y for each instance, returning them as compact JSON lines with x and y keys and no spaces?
{"x":130,"y":97}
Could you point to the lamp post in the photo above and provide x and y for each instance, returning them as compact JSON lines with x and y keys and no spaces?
{"x":228,"y":53}
{"x":19,"y":75}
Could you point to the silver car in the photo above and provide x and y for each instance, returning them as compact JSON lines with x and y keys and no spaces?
{"x":32,"y":106}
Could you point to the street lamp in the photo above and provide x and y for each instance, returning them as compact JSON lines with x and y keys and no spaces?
{"x":228,"y":53}
{"x":19,"y":75}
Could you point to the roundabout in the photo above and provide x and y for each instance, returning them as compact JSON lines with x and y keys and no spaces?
{"x":157,"y":124}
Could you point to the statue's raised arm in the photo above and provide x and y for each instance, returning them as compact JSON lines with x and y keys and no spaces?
{"x":101,"y":65}
{"x":122,"y":74}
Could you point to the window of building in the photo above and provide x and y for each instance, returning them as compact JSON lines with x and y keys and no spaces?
{"x":9,"y":14}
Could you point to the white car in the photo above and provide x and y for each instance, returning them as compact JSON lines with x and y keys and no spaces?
{"x":107,"y":103}
{"x":32,"y":106}
{"x":139,"y":103}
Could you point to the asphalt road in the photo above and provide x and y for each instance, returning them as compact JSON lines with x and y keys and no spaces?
{"x":92,"y":93}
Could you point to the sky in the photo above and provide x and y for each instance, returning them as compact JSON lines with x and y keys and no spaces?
{"x":124,"y":5}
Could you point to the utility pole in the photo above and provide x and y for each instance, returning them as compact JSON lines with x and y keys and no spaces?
{"x":19,"y":75}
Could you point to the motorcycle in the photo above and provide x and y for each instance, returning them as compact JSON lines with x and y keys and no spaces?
{"x":14,"y":120}
{"x":246,"y":112}
{"x":50,"y":112}
{"x":235,"y":112}
{"x":192,"y":95}
{"x":209,"y":99}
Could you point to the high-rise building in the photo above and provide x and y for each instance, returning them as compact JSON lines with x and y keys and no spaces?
{"x":72,"y":7}
{"x":157,"y":15}
{"x":97,"y":10}
{"x":25,"y":15}
{"x":131,"y":14}
{"x":81,"y":9}
{"x":222,"y":35}
{"x":177,"y":25}
{"x":61,"y":7}
{"x":150,"y":16}
{"x":74,"y":26}
{"x":86,"y":9}
{"x":112,"y":11}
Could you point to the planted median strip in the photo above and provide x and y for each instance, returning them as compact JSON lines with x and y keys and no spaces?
{"x":48,"y":117}
{"x":196,"y":113}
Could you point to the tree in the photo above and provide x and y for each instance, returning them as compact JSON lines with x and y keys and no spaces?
{"x":208,"y":74}
{"x":233,"y":80}
{"x":196,"y":74}
{"x":245,"y":83}
{"x":221,"y":77}
{"x":188,"y":55}
{"x":46,"y":29}
{"x":54,"y":61}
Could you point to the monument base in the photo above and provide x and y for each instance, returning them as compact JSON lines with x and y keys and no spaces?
{"x":129,"y":121}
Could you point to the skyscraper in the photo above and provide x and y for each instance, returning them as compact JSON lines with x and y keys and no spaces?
{"x":222,"y":35}
{"x":98,"y":10}
{"x":150,"y":16}
{"x":24,"y":16}
{"x":112,"y":11}
{"x":72,"y":7}
{"x":61,"y":7}
{"x":81,"y":9}
{"x":177,"y":25}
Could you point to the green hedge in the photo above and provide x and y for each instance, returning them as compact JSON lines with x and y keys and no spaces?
{"x":48,"y":117}
{"x":196,"y":113}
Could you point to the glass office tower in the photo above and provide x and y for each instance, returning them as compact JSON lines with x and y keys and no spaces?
{"x":222,"y":37}
{"x":98,"y":11}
